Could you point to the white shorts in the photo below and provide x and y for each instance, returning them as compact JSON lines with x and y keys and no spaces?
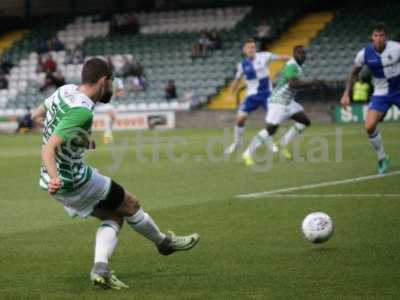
{"x":82,"y":201}
{"x":278,"y":113}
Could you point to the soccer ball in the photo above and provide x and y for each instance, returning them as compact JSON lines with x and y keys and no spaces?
{"x":317,"y":227}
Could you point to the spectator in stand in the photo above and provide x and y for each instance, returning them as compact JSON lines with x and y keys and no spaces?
{"x":263,"y":34}
{"x":215,"y":40}
{"x":138,"y":83}
{"x":128,"y":67}
{"x":200,"y":48}
{"x":25,"y":123}
{"x":3,"y":81}
{"x":77,"y":56}
{"x":170,"y":91}
{"x":46,"y":63}
{"x":42,"y":47}
{"x":131,"y":68}
{"x":55,"y":44}
{"x":204,"y":43}
{"x":52,"y":80}
{"x":6,"y":66}
{"x":125,"y":24}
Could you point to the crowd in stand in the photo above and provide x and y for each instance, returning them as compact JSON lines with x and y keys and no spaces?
{"x":5,"y":67}
{"x":207,"y":42}
{"x":124,"y":24}
{"x":54,"y":78}
{"x":52,"y":44}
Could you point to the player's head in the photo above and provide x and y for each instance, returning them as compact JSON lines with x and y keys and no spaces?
{"x":299,"y":54}
{"x":379,"y":35}
{"x":98,"y":74}
{"x":250,"y":48}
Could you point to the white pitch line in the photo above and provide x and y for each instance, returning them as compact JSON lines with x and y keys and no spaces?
{"x":316,"y":185}
{"x":333,"y":196}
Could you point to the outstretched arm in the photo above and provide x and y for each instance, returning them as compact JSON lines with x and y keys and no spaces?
{"x":345,"y":101}
{"x":283,"y":57}
{"x":296,"y":83}
{"x":234,"y":86}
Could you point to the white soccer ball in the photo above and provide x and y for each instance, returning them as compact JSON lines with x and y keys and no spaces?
{"x":317,"y":227}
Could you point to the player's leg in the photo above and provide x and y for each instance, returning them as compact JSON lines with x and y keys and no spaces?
{"x":301,"y":122}
{"x":375,"y":138}
{"x":275,"y":116}
{"x":144,"y":224}
{"x":106,"y":241}
{"x":108,"y":135}
{"x":238,"y":132}
{"x":378,"y":107}
{"x":250,"y":104}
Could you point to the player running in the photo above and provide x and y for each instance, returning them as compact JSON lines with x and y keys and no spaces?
{"x":383,"y":59}
{"x":282,"y":106}
{"x":82,"y":189}
{"x":254,"y":68}
{"x":111,"y":114}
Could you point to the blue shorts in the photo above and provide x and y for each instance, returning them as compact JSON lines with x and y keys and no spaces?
{"x":383,"y":103}
{"x":253,"y":102}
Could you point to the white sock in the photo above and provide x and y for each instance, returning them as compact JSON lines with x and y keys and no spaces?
{"x":293,"y":131}
{"x":145,"y":225}
{"x":106,"y":240}
{"x":239,"y":130}
{"x":376,"y":141}
{"x":262,"y":137}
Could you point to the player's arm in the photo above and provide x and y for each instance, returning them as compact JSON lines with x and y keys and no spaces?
{"x":73,"y":126}
{"x":358,"y":63}
{"x":49,"y":160}
{"x":273,"y":57}
{"x":345,"y":101}
{"x":291,"y":74}
{"x":233,"y":88}
{"x":38,"y":114}
{"x":282,"y":57}
{"x":296,"y":83}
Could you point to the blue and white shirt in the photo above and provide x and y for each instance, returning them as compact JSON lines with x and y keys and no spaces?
{"x":385,"y":67}
{"x":256,"y":73}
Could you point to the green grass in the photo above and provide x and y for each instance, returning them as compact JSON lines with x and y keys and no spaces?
{"x":249,"y":249}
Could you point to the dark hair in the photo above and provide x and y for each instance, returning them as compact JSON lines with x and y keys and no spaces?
{"x":94,"y":69}
{"x":380,"y":27}
{"x":297,"y":47}
{"x":249,"y":41}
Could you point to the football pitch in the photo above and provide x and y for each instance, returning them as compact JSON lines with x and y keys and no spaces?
{"x":251,"y":246}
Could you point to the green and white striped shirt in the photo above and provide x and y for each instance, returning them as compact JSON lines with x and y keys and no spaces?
{"x":282,"y":93}
{"x":69,"y":114}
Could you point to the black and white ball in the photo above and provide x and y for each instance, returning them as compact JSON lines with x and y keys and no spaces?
{"x":317,"y":227}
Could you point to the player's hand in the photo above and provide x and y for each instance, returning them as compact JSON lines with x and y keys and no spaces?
{"x":345,"y":101}
{"x":54,"y":185}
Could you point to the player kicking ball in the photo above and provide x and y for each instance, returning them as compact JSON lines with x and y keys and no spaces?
{"x":82,"y":189}
{"x":254,"y":68}
{"x":383,"y":59}
{"x":282,"y":106}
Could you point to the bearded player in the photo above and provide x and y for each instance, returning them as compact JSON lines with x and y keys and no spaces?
{"x":82,"y":189}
